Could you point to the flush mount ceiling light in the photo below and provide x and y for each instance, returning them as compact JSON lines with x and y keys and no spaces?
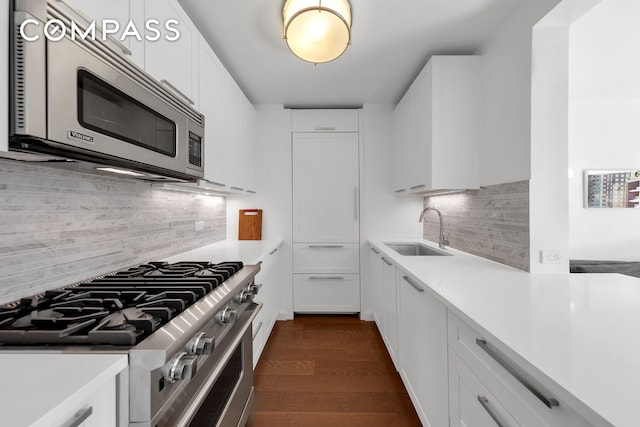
{"x":317,"y":30}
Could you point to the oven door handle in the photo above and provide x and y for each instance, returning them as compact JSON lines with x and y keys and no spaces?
{"x":194,"y":405}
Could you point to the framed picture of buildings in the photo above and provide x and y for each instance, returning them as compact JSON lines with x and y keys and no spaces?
{"x":612,"y":189}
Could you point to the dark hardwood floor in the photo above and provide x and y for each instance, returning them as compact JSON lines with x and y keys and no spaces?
{"x":328,"y":371}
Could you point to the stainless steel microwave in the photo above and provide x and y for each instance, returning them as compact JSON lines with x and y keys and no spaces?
{"x":78,"y":98}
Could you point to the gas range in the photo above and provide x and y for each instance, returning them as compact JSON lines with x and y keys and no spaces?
{"x":121,"y":309}
{"x":181,"y":324}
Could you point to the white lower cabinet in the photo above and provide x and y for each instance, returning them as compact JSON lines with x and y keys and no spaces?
{"x":454,"y":375}
{"x":389,"y":309}
{"x":96,"y":410}
{"x":269,"y":280}
{"x":326,"y":293}
{"x":373,"y":290}
{"x":525,"y":396}
{"x":422,"y":332}
{"x":470,"y":403}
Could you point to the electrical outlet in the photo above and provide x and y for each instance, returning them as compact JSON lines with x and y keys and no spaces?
{"x":550,"y":257}
{"x":199,"y":225}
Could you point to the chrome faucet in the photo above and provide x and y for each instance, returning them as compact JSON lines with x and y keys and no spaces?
{"x":443,"y":241}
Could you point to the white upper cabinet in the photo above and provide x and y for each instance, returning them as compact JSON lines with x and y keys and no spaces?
{"x":325,"y":187}
{"x":124,"y":12}
{"x":240,"y":138}
{"x":437,"y":127}
{"x":212,"y":94}
{"x":174,"y":63}
{"x":325,"y":121}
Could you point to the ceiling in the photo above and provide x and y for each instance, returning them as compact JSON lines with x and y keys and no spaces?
{"x":389,"y":46}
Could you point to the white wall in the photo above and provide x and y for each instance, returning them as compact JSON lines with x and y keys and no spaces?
{"x":505,"y":154}
{"x":604,"y":124}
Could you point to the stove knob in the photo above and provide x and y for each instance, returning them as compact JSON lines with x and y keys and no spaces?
{"x":181,"y":367}
{"x":252,"y":289}
{"x":200,"y":345}
{"x":227,"y":315}
{"x":244,"y":296}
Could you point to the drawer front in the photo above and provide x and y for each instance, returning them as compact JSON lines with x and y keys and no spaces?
{"x":326,"y":258}
{"x":326,"y":293}
{"x":324,"y":121}
{"x":470,"y":402}
{"x":519,"y":391}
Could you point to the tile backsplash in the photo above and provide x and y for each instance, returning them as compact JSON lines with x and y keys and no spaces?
{"x":492,"y":222}
{"x":58,"y":227}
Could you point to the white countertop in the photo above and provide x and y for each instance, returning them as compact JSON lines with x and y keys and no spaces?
{"x":580,"y":331}
{"x":247,"y":251}
{"x":39,"y":388}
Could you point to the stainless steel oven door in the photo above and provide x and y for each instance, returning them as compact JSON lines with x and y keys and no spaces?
{"x":221,"y":393}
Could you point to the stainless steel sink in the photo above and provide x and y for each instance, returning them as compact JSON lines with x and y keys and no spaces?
{"x":416,"y":249}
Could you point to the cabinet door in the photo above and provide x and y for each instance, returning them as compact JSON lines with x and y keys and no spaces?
{"x":97,"y":409}
{"x":389,"y":309}
{"x":175,"y":63}
{"x":122,"y":11}
{"x":268,"y":278}
{"x":471,"y":404}
{"x":247,"y":159}
{"x":325,"y":187}
{"x":240,"y":137}
{"x":212,"y":94}
{"x":233,"y":133}
{"x":373,"y":290}
{"x":412,"y":119}
{"x":423,"y":350}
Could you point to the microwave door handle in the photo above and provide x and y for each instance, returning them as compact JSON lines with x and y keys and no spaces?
{"x":168,"y":84}
{"x":87,"y":20}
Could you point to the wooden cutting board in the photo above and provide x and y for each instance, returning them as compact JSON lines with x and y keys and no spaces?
{"x":250,"y":226}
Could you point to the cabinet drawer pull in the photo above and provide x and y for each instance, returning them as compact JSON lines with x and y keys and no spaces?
{"x":273,"y":251}
{"x":485,"y":404}
{"x":415,"y":187}
{"x":550,"y":402}
{"x":325,"y":128}
{"x":386,"y":261}
{"x":79,"y":417}
{"x":413,"y":285}
{"x":168,"y":84}
{"x":326,"y":278}
{"x":326,"y":246}
{"x":375,"y":251}
{"x":255,"y":333}
{"x":402,"y":190}
{"x":237,"y":188}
